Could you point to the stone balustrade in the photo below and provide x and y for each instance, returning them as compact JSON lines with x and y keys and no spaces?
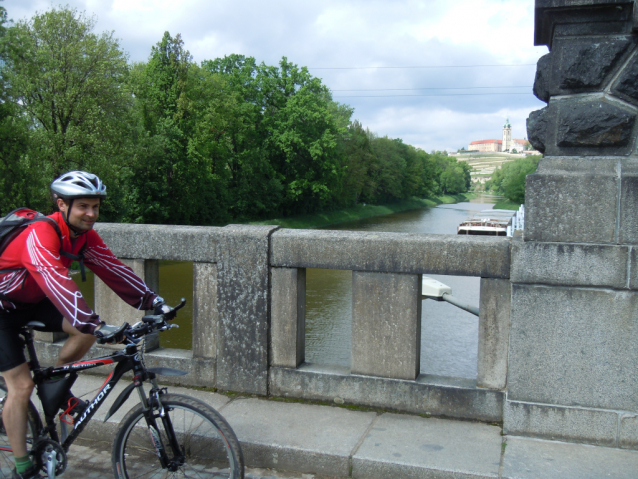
{"x":249,"y":312}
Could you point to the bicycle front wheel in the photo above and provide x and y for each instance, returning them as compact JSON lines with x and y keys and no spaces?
{"x":208,"y":446}
{"x":6,"y":453}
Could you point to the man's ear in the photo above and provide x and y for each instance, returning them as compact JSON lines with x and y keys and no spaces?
{"x":62,"y":206}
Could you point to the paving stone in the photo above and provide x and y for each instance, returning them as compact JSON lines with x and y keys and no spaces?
{"x":412,"y":447}
{"x":535,"y":459}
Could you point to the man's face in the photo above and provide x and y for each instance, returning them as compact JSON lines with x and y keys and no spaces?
{"x":84,"y":213}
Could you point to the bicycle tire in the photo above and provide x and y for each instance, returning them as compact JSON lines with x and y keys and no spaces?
{"x":215,"y":455}
{"x":33,"y":426}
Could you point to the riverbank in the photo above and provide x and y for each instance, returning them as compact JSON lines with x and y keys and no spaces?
{"x":506,"y":204}
{"x":358,"y":212}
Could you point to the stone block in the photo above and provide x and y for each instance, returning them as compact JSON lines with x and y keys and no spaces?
{"x":494,"y":331}
{"x":288,"y":317}
{"x":430,"y":395}
{"x":593,"y":123}
{"x":572,"y":201}
{"x":242,"y":302}
{"x":414,"y":253}
{"x":205,"y":314}
{"x":413,"y":448}
{"x":543,"y":75}
{"x":558,"y":18}
{"x":49,"y":337}
{"x":626,"y":86}
{"x":533,"y":459}
{"x":537,"y":124}
{"x":628,"y":438}
{"x":113,"y":310}
{"x":584,"y":64}
{"x":581,"y":425}
{"x":573,"y":347}
{"x":386,"y":324}
{"x":569,"y":264}
{"x":628,"y":216}
{"x":172,"y":242}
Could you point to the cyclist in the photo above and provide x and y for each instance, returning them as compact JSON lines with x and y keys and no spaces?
{"x":35,"y":286}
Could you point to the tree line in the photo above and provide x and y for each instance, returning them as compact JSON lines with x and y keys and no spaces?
{"x":178,"y":142}
{"x":509,"y":179}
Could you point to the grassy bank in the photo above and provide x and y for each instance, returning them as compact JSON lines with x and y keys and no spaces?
{"x":506,"y":205}
{"x":362,"y":211}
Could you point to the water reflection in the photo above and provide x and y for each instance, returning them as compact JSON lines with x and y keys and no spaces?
{"x":449,"y":341}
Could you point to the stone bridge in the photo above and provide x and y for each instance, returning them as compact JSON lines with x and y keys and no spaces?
{"x":558,"y":325}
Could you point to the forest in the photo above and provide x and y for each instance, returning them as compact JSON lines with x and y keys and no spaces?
{"x":509,"y":179}
{"x":176,"y":142}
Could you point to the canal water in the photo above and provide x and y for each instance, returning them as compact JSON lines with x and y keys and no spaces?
{"x":449,"y":335}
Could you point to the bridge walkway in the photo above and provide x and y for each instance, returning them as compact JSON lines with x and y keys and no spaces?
{"x":317,"y":441}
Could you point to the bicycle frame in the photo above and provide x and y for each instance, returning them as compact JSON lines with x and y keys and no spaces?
{"x":128,"y":359}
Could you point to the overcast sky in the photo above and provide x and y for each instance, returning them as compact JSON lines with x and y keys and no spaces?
{"x":431,"y":108}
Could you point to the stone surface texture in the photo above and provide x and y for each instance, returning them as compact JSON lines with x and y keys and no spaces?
{"x":205,"y":313}
{"x":287,"y":327}
{"x":590,"y":426}
{"x":402,"y":446}
{"x":459,"y":399}
{"x":386,"y":324}
{"x":392,"y":252}
{"x":534,"y":459}
{"x":574,"y":347}
{"x":494,"y":332}
{"x":570,"y":264}
{"x":242,"y":302}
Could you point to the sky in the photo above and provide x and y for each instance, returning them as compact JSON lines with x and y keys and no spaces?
{"x":436,"y":73}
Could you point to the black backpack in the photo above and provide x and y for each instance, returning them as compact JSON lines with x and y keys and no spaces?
{"x":15,"y":222}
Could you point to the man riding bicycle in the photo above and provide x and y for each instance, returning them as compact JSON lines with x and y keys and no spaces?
{"x":35,"y":286}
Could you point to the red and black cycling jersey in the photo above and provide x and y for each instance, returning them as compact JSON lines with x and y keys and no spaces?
{"x":40,"y":271}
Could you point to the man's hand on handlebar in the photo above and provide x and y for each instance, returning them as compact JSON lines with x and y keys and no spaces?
{"x":110,"y":333}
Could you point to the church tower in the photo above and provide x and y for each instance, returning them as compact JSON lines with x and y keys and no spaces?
{"x":507,"y":136}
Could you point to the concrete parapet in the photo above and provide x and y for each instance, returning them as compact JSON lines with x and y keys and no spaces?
{"x":436,"y":396}
{"x":571,"y":264}
{"x":574,"y":347}
{"x":487,"y":257}
{"x":287,"y":327}
{"x":386,"y":324}
{"x":494,"y":332}
{"x":180,"y":243}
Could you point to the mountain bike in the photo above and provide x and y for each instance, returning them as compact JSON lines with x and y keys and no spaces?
{"x":165,"y":436}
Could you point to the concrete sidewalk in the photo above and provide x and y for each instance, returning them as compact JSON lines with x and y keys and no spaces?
{"x":326,"y":441}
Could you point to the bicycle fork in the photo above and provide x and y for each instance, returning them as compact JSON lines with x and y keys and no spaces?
{"x":156,"y":410}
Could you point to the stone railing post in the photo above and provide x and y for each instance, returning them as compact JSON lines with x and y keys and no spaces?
{"x":288,"y":321}
{"x":574,"y":318}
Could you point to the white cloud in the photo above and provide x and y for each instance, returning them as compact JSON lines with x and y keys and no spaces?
{"x":346,"y":33}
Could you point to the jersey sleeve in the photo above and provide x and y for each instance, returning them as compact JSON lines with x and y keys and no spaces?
{"x":117,"y":276}
{"x":41,"y":258}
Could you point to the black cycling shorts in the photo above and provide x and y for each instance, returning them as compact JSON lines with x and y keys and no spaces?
{"x":11,"y":350}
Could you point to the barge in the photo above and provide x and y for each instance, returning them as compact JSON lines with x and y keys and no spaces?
{"x":489,"y":222}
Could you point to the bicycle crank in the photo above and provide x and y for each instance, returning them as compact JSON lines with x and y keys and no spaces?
{"x":51,"y":457}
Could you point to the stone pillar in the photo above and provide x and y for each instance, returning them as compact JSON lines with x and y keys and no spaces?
{"x":205,"y":314}
{"x":113,"y":310}
{"x":494,"y":333}
{"x":243,"y":302}
{"x":386,"y":324}
{"x":288,"y":317}
{"x":574,"y":320}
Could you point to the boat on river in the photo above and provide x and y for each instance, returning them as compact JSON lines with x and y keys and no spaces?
{"x":490,"y":223}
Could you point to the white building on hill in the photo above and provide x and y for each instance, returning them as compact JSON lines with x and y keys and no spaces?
{"x":506,"y":144}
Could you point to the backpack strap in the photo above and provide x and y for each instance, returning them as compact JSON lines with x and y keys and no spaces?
{"x":75,"y":257}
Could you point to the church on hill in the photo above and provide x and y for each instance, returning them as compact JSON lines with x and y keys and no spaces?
{"x":506,"y":144}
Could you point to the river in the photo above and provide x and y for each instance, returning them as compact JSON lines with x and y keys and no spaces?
{"x":449,"y":338}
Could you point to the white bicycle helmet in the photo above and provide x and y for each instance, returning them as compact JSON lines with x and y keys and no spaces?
{"x":78,"y":184}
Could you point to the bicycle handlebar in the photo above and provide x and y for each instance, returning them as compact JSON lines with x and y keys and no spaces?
{"x":149,"y":324}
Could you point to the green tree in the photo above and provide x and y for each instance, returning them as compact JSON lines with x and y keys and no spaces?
{"x":509,"y":178}
{"x":67,"y":82}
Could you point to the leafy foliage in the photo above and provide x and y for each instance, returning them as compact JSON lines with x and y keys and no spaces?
{"x":181,"y":143}
{"x":509,"y":178}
